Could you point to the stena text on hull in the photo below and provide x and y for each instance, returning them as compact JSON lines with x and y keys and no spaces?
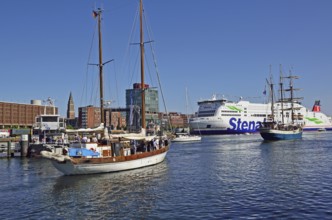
{"x":220,"y":116}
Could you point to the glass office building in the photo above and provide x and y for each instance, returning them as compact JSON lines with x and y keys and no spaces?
{"x":134,"y":101}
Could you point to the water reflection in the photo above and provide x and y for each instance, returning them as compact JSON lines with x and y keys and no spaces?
{"x":280,"y":165}
{"x":221,"y":177}
{"x":113,"y":193}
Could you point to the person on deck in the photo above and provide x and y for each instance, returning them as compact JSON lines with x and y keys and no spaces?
{"x":84,"y":139}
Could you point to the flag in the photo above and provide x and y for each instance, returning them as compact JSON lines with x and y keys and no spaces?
{"x":94,"y":14}
{"x":264,"y":92}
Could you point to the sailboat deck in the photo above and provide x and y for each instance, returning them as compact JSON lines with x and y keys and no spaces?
{"x":122,"y":158}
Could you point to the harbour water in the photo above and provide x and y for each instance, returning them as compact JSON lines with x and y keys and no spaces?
{"x":221,"y":177}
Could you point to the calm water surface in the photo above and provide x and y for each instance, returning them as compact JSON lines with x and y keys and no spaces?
{"x":221,"y":177}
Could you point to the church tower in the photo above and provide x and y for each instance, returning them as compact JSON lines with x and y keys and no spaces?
{"x":70,"y":108}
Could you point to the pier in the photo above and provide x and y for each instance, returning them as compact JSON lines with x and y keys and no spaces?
{"x":13,"y":147}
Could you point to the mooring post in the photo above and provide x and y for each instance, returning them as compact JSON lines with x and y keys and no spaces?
{"x":8,"y":148}
{"x":24,"y":145}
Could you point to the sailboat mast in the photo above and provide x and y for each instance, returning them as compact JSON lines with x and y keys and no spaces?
{"x":272,"y":99}
{"x":187,"y":106}
{"x":101,"y":84}
{"x":270,"y":83}
{"x":291,"y":96}
{"x":142,"y":64}
{"x":281,"y":97}
{"x":102,"y":119}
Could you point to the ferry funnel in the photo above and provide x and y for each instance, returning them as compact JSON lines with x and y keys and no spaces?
{"x":316,"y":107}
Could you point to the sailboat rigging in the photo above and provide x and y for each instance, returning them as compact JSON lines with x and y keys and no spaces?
{"x":274,"y":129}
{"x":186,"y":137}
{"x":115,"y":152}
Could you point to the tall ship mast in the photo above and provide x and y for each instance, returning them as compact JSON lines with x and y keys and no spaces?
{"x":278,"y":129}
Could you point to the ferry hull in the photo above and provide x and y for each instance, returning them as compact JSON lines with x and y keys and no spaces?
{"x":231,"y":131}
{"x":218,"y":132}
{"x":317,"y":128}
{"x":219,"y":116}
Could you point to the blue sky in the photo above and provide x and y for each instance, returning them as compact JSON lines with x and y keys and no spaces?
{"x":210,"y":47}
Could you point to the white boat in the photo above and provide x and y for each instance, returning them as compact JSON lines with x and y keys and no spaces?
{"x":273,"y":129}
{"x":91,"y":158}
{"x":185,"y":137}
{"x":114,"y":152}
{"x":321,"y":129}
{"x":218,"y":115}
{"x":48,"y":132}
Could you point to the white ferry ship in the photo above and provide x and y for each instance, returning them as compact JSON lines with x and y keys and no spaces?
{"x":220,"y":116}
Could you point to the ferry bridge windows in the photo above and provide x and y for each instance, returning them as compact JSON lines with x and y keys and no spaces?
{"x":50,"y":119}
{"x":231,"y":115}
{"x":259,"y":115}
{"x":206,"y":113}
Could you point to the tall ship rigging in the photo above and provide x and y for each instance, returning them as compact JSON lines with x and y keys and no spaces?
{"x":276,"y":128}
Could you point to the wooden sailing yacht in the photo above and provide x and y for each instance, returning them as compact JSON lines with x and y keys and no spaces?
{"x":273,"y":129}
{"x":113,"y":153}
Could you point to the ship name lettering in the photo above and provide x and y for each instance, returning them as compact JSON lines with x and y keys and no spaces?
{"x":238,"y":125}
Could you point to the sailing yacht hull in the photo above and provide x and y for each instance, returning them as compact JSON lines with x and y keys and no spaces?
{"x":275,"y":135}
{"x":80,"y":166}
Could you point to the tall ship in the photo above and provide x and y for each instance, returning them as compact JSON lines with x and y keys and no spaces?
{"x":275,"y":130}
{"x":221,"y":116}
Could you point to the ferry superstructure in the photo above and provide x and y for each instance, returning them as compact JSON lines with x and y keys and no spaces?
{"x":220,"y":116}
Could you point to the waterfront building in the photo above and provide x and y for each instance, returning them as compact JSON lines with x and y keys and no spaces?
{"x":89,"y":117}
{"x":174,"y":121}
{"x":133,"y":103}
{"x":70,"y":108}
{"x":116,"y":118}
{"x":178,"y":120}
{"x":17,"y":115}
{"x":71,"y":119}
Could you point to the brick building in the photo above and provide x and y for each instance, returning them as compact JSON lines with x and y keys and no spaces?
{"x":16,"y":115}
{"x":89,"y":117}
